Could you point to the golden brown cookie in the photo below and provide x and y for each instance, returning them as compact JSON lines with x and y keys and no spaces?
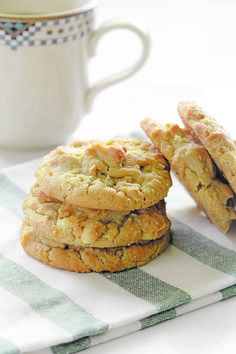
{"x":213,"y":136}
{"x":88,"y":259}
{"x":76,"y":226}
{"x":195,"y":170}
{"x":120,"y":174}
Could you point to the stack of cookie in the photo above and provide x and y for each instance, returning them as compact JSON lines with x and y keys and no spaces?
{"x":203,"y":157}
{"x":98,"y":206}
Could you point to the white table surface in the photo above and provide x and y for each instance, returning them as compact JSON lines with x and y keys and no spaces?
{"x":193,"y":56}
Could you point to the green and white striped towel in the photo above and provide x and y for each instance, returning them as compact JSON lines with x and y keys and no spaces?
{"x":55,"y":311}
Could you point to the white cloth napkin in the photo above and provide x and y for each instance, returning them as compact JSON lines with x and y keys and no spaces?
{"x":55,"y":311}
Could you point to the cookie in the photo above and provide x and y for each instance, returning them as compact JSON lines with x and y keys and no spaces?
{"x":89,"y":259}
{"x":213,"y":136}
{"x":100,"y":228}
{"x":195,"y":170}
{"x":120,"y":174}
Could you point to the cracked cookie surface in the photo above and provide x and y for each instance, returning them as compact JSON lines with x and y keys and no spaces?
{"x":120,"y":174}
{"x":195,"y":170}
{"x":100,"y":228}
{"x":89,"y":259}
{"x":213,"y":136}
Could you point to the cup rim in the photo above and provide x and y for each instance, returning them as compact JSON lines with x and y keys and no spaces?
{"x":51,"y":15}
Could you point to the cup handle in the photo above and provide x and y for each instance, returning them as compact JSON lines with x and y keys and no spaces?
{"x":108,"y":26}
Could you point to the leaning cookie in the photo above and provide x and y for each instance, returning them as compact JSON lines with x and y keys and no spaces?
{"x":88,"y":259}
{"x":76,"y":226}
{"x":195,"y":170}
{"x":120,"y":174}
{"x":213,"y":136}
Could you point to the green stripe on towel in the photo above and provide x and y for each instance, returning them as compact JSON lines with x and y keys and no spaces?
{"x":157,"y":318}
{"x":11,"y":196}
{"x":203,"y":249}
{"x":147,"y":287}
{"x":73,"y":347}
{"x":48,"y":302}
{"x":7,"y":347}
{"x":228,"y":292}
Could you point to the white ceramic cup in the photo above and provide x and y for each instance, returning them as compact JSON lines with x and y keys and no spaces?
{"x":45,"y":46}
